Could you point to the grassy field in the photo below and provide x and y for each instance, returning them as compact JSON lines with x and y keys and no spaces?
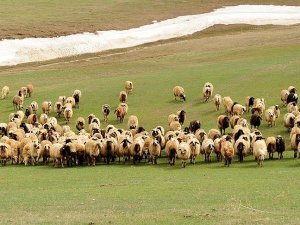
{"x":239,"y":61}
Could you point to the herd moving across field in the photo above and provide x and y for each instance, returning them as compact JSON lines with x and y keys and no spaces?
{"x":41,"y":139}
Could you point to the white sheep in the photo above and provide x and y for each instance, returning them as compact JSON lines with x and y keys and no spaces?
{"x":207,"y":91}
{"x":207,"y":148}
{"x":249,"y":102}
{"x":217,"y":101}
{"x":289,"y":120}
{"x":178,"y":91}
{"x":291,"y":107}
{"x":238,"y":109}
{"x":17,"y":102}
{"x":62,"y":99}
{"x":154,"y":150}
{"x":183,"y":153}
{"x":34,"y":105}
{"x":175,"y":126}
{"x":5,"y":91}
{"x":68,"y":113}
{"x":270,"y":117}
{"x":105,"y":111}
{"x":133,"y":122}
{"x":227,"y":103}
{"x":43,"y":118}
{"x":260,"y":150}
{"x":194,"y":147}
{"x":128,"y":86}
{"x":46,"y":107}
{"x":283,"y":96}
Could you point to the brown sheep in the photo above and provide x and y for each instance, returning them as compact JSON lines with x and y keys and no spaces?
{"x":178,"y":91}
{"x":17,"y":102}
{"x":223,"y":123}
{"x":123,"y":96}
{"x":29,"y":90}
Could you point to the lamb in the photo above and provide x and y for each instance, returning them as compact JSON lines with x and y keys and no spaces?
{"x":194,"y":126}
{"x":255,"y":121}
{"x":17,"y":102}
{"x":249,"y":102}
{"x":238,"y":109}
{"x":133,"y":122}
{"x":171,"y":150}
{"x":223,"y":123}
{"x":5,"y":153}
{"x":5,"y":92}
{"x":195,"y":148}
{"x":154,"y":150}
{"x":58,"y":153}
{"x":241,"y":147}
{"x":227,"y":151}
{"x":105,"y":111}
{"x":46,"y":107}
{"x":207,"y":91}
{"x":92,"y":149}
{"x":270,"y":117}
{"x":179,"y":92}
{"x":259,"y":150}
{"x":29,"y":89}
{"x":58,"y":108}
{"x":120,"y":113}
{"x":128,"y":86}
{"x":44,"y":151}
{"x":289,"y":120}
{"x":175,"y":126}
{"x":181,"y":116}
{"x":228,"y":103}
{"x":68,"y":113}
{"x":271,"y":146}
{"x":280,"y":146}
{"x":291,"y":107}
{"x":123,"y":96}
{"x":207,"y":148}
{"x":80,"y":123}
{"x":217,"y":101}
{"x":77,"y":96}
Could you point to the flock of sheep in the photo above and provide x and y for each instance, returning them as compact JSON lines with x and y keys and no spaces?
{"x":28,"y":139}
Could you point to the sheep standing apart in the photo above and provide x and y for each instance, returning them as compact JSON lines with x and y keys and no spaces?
{"x":227,"y":103}
{"x":5,"y":91}
{"x":207,"y":148}
{"x":5,"y":153}
{"x":46,"y":107}
{"x":289,"y":120}
{"x":178,"y":91}
{"x":259,"y":150}
{"x":249,"y":102}
{"x":223,"y":123}
{"x":77,"y":96}
{"x":154,"y":151}
{"x":181,"y":116}
{"x":29,"y":90}
{"x":195,"y":149}
{"x":171,"y":150}
{"x":255,"y":121}
{"x":120,"y":113}
{"x":238,"y":109}
{"x":133,"y":122}
{"x":291,"y":107}
{"x":280,"y":146}
{"x":183,"y":153}
{"x":58,"y":153}
{"x":68,"y":113}
{"x":207,"y":91}
{"x":17,"y":102}
{"x":105,"y":111}
{"x":123,"y":97}
{"x":128,"y":86}
{"x":34,"y":105}
{"x":80,"y":123}
{"x":217,"y":101}
{"x":271,"y":146}
{"x":92,"y":149}
{"x":270,"y":117}
{"x":227,"y":151}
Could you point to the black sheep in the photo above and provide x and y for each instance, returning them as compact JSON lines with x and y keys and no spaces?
{"x":255,"y":121}
{"x":194,"y":125}
{"x":181,"y":116}
{"x":280,"y":146}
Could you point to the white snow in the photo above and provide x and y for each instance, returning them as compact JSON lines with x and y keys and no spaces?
{"x":13,"y":52}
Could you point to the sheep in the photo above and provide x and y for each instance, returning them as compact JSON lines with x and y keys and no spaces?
{"x":280,"y":146}
{"x":194,"y":126}
{"x":154,"y":150}
{"x":136,"y":149}
{"x":271,"y":146}
{"x":217,"y":145}
{"x":92,"y":149}
{"x":289,"y":120}
{"x":32,"y":119}
{"x":124,"y":148}
{"x":30,"y":151}
{"x":233,"y":120}
{"x":17,"y":102}
{"x":175,"y":126}
{"x":227,"y":151}
{"x":213,"y":134}
{"x":227,"y":103}
{"x":80,"y":123}
{"x":68,"y":113}
{"x":255,"y":121}
{"x":292,"y":97}
{"x":3,"y":129}
{"x":5,"y":91}
{"x":120,"y":113}
{"x":46,"y":107}
{"x":28,"y":111}
{"x":105,"y":111}
{"x":43,"y":118}
{"x":76,"y":95}
{"x":183,"y":153}
{"x":171,"y":150}
{"x":15,"y":149}
{"x":295,"y":140}
{"x":178,"y":91}
{"x":291,"y":107}
{"x":128,"y":86}
{"x":58,"y":108}
{"x":124,"y":106}
{"x":24,"y":91}
{"x":207,"y":91}
{"x":195,"y":149}
{"x":238,"y":109}
{"x":29,"y":89}
{"x":259,"y":150}
{"x":276,"y":110}
{"x":181,"y":116}
{"x":249,"y":102}
{"x":123,"y":96}
{"x":133,"y":122}
{"x":200,"y":135}
{"x":292,"y":89}
{"x":217,"y":101}
{"x":223,"y":123}
{"x":283,"y":96}
{"x":270,"y":117}
{"x":58,"y":153}
{"x":109,"y":150}
{"x":242,"y":122}
{"x":207,"y":148}
{"x":71,"y":101}
{"x":5,"y":153}
{"x":259,"y":106}
{"x":241,"y":147}
{"x":44,"y":151}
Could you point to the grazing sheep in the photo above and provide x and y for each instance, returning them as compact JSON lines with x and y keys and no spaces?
{"x":217,"y":101}
{"x":29,"y":89}
{"x":207,"y":148}
{"x":241,"y":148}
{"x":171,"y":150}
{"x":154,"y":150}
{"x":227,"y":151}
{"x":5,"y":91}
{"x":58,"y":153}
{"x":5,"y":153}
{"x":76,"y":95}
{"x":46,"y":107}
{"x":62,"y":99}
{"x":289,"y":120}
{"x":270,"y":117}
{"x":291,"y":107}
{"x":175,"y":126}
{"x":178,"y":91}
{"x":223,"y":123}
{"x":238,"y":109}
{"x":105,"y":111}
{"x":123,"y":97}
{"x":92,"y":149}
{"x":227,"y":103}
{"x":280,"y":146}
{"x":80,"y":123}
{"x":17,"y":102}
{"x":181,"y":116}
{"x":133,"y":122}
{"x":255,"y":121}
{"x":207,"y":91}
{"x":195,"y":148}
{"x":183,"y":153}
{"x":249,"y":102}
{"x":68,"y":113}
{"x":271,"y":146}
{"x":194,"y":126}
{"x":120,"y":113}
{"x":128,"y":86}
{"x":259,"y":150}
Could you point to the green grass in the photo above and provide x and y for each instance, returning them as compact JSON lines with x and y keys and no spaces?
{"x":259,"y":62}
